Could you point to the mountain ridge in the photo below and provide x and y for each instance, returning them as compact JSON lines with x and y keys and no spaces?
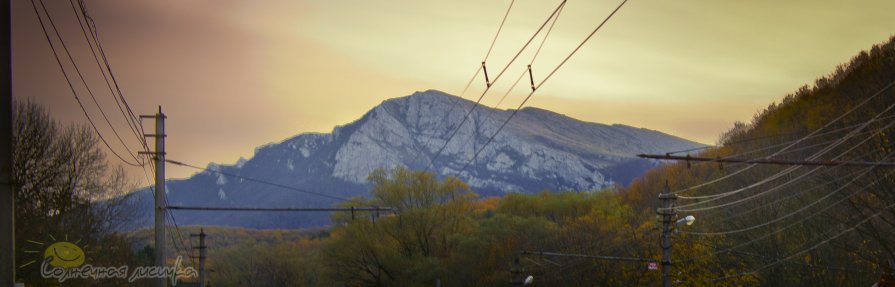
{"x":539,"y":149}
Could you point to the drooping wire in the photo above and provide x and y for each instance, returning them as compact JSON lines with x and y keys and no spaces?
{"x":803,"y":208}
{"x":507,"y":14}
{"x":471,"y":110}
{"x":74,"y":92}
{"x":777,"y":145}
{"x":527,"y":70}
{"x":803,"y":251}
{"x":257,"y":180}
{"x":879,"y":92}
{"x":83,"y":80}
{"x":788,"y":197}
{"x":90,"y":44}
{"x":456,"y":100}
{"x":784,"y":228}
{"x":566,"y":59}
{"x":687,"y":207}
{"x":533,"y":58}
{"x":91,"y":25}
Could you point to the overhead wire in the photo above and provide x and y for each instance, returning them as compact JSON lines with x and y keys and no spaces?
{"x":763,"y":257}
{"x":505,"y":15}
{"x":526,"y":71}
{"x":712,"y":198}
{"x":257,"y":180}
{"x":456,"y":100}
{"x":840,"y":117}
{"x":776,"y":145}
{"x":566,"y":59}
{"x":803,"y":251}
{"x":94,"y":33}
{"x":488,"y":87}
{"x":90,"y":44}
{"x":83,"y":80}
{"x":780,"y":218}
{"x":74,"y":92}
{"x":533,"y":58}
{"x":798,"y":194}
{"x":784,"y":228}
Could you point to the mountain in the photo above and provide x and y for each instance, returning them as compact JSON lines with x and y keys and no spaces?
{"x":537,"y":150}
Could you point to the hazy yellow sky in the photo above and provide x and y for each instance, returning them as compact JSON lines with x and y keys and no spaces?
{"x":233,"y":75}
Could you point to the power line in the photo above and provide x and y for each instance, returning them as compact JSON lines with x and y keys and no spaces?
{"x":258,"y":180}
{"x":90,"y":44}
{"x":771,"y":161}
{"x":527,"y":71}
{"x":809,"y":265}
{"x":471,"y":110}
{"x":541,"y":83}
{"x":773,"y":146}
{"x":803,"y":208}
{"x":285,"y":209}
{"x":83,"y":80}
{"x":800,"y":221}
{"x":507,"y":14}
{"x":478,"y":70}
{"x":71,"y":86}
{"x":793,"y":255}
{"x":716,"y":197}
{"x":533,"y":58}
{"x":879,"y":92}
{"x":794,"y":195}
{"x":132,"y":119}
{"x":601,"y":257}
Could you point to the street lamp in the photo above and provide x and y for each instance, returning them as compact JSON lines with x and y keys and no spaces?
{"x":686,"y":220}
{"x":528,"y":280}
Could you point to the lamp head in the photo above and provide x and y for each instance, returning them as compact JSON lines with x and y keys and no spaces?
{"x":689,"y":219}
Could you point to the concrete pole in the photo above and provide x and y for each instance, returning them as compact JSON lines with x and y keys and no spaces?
{"x":203,"y":252}
{"x":160,"y":193}
{"x":666,"y":211}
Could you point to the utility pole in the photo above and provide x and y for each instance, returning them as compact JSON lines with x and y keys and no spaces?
{"x":517,"y":273}
{"x":7,"y":194}
{"x":159,"y":156}
{"x":667,"y":213}
{"x":203,"y":253}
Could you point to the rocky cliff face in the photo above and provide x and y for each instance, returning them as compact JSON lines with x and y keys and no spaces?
{"x":537,"y":150}
{"x":537,"y":147}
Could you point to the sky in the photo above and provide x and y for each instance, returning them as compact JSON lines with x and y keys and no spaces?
{"x":233,"y":75}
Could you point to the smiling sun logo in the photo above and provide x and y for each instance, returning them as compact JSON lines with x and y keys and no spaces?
{"x":60,"y":253}
{"x":64,"y":254}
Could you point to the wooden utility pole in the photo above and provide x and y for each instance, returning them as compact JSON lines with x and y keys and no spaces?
{"x":7,"y":194}
{"x":159,"y":156}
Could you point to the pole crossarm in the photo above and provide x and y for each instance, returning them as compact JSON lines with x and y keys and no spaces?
{"x":770,"y":161}
{"x":601,"y":257}
{"x":350,"y":209}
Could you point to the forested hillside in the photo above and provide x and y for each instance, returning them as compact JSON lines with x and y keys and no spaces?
{"x":791,"y":225}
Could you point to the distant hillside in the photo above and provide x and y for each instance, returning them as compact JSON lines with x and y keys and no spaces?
{"x":538,"y":150}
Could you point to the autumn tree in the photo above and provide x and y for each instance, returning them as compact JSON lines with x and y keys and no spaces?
{"x":65,"y":191}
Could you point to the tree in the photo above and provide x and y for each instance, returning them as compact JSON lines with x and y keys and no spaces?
{"x":65,"y":191}
{"x":406,"y":249}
